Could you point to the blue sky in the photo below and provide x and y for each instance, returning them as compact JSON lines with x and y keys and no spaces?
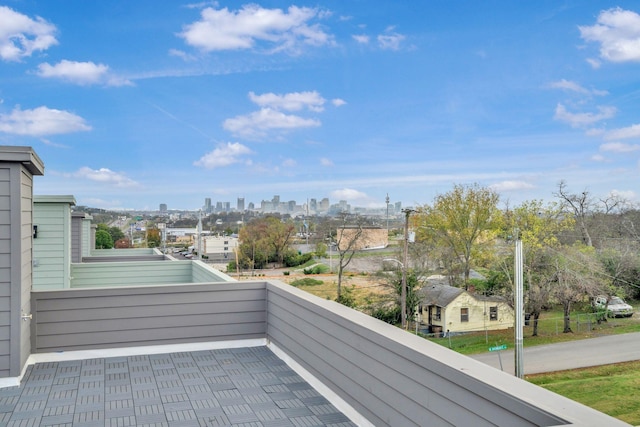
{"x":135,"y":103}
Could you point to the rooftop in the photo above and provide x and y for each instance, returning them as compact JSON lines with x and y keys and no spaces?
{"x":247,"y":386}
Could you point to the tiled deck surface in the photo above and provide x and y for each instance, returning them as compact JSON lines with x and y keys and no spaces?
{"x":248,"y":387}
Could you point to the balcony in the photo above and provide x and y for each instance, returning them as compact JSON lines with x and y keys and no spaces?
{"x":374,"y":373}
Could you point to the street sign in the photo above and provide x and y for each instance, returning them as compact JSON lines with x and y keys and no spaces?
{"x":498,"y":347}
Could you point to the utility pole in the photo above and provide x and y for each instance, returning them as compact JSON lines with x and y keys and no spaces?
{"x":519,"y":310}
{"x":387,"y":202}
{"x":403,"y":294}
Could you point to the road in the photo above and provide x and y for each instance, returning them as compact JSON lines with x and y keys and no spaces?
{"x":568,"y":355}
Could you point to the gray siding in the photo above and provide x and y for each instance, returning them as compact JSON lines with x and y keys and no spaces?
{"x":5,"y":270}
{"x":388,"y":382}
{"x":84,"y":319}
{"x":23,"y":288}
{"x":389,"y":376}
{"x":76,"y":237}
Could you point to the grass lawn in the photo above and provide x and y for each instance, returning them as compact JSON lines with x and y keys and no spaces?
{"x":612,"y":389}
{"x":549,"y":332}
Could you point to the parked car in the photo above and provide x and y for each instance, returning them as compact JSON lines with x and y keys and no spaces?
{"x":615,"y":306}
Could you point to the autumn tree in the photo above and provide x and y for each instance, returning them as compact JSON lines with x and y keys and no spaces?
{"x":265,"y":240}
{"x":154,"y":238}
{"x":464,"y":221}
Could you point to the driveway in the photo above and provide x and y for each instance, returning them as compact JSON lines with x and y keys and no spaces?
{"x":568,"y":355}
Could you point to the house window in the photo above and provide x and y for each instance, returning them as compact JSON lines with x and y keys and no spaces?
{"x":464,"y":314}
{"x":493,"y":313}
{"x":226,"y":242}
{"x":438,"y":314}
{"x":226,"y":248}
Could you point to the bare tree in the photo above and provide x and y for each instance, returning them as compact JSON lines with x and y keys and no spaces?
{"x":580,"y":206}
{"x":576,"y":277}
{"x":348,"y":234}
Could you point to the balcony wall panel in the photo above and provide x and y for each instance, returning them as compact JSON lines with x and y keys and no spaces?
{"x":84,"y":319}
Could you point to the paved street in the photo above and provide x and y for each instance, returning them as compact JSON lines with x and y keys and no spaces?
{"x":569,"y":355}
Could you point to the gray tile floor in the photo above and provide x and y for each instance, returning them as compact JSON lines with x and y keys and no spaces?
{"x":244,"y":387}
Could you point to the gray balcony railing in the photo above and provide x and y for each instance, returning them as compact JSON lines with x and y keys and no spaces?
{"x":384,"y":374}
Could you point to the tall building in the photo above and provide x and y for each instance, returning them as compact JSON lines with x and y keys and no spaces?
{"x":218,"y":206}
{"x":240,"y":205}
{"x":207,"y":205}
{"x":163,"y":207}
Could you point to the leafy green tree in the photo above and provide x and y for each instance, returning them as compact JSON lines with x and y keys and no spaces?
{"x":103,"y":239}
{"x":116,"y":233}
{"x":465,"y":221}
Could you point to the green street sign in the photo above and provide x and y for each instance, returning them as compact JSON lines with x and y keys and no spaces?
{"x":498,"y":347}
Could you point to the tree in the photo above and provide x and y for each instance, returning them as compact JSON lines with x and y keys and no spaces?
{"x":580,"y":206}
{"x":347,"y":243}
{"x":116,"y":233}
{"x":103,"y":239}
{"x":575,"y":277}
{"x":154,"y":238}
{"x":538,"y":227}
{"x":264,"y":240}
{"x":394,"y":282}
{"x":464,"y":220}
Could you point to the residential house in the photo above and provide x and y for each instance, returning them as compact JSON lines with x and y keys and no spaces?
{"x":449,"y":309}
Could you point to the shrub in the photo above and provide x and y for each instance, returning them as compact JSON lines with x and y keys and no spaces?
{"x":286,"y":273}
{"x":388,"y":315}
{"x":316,"y":269}
{"x":307,"y":281}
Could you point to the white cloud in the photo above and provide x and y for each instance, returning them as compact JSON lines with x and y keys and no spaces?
{"x":20,"y":35}
{"x":361,"y":38}
{"x":289,"y":163}
{"x":511,"y":186}
{"x":223,"y":155}
{"x":618,"y":32}
{"x":595,"y":64}
{"x":618,"y":147}
{"x":105,"y":176}
{"x":628,"y":195}
{"x":326,"y":162}
{"x":632,"y":131}
{"x":350,"y":195}
{"x":390,"y":41}
{"x":599,"y":158}
{"x":81,"y":73}
{"x":575,"y":87}
{"x":257,"y":124}
{"x":583,"y":119}
{"x":181,"y":54}
{"x":294,"y":101}
{"x":222,"y":29}
{"x":41,"y":121}
{"x":338,"y":102}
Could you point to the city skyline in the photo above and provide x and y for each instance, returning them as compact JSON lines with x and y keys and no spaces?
{"x":133,"y":104}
